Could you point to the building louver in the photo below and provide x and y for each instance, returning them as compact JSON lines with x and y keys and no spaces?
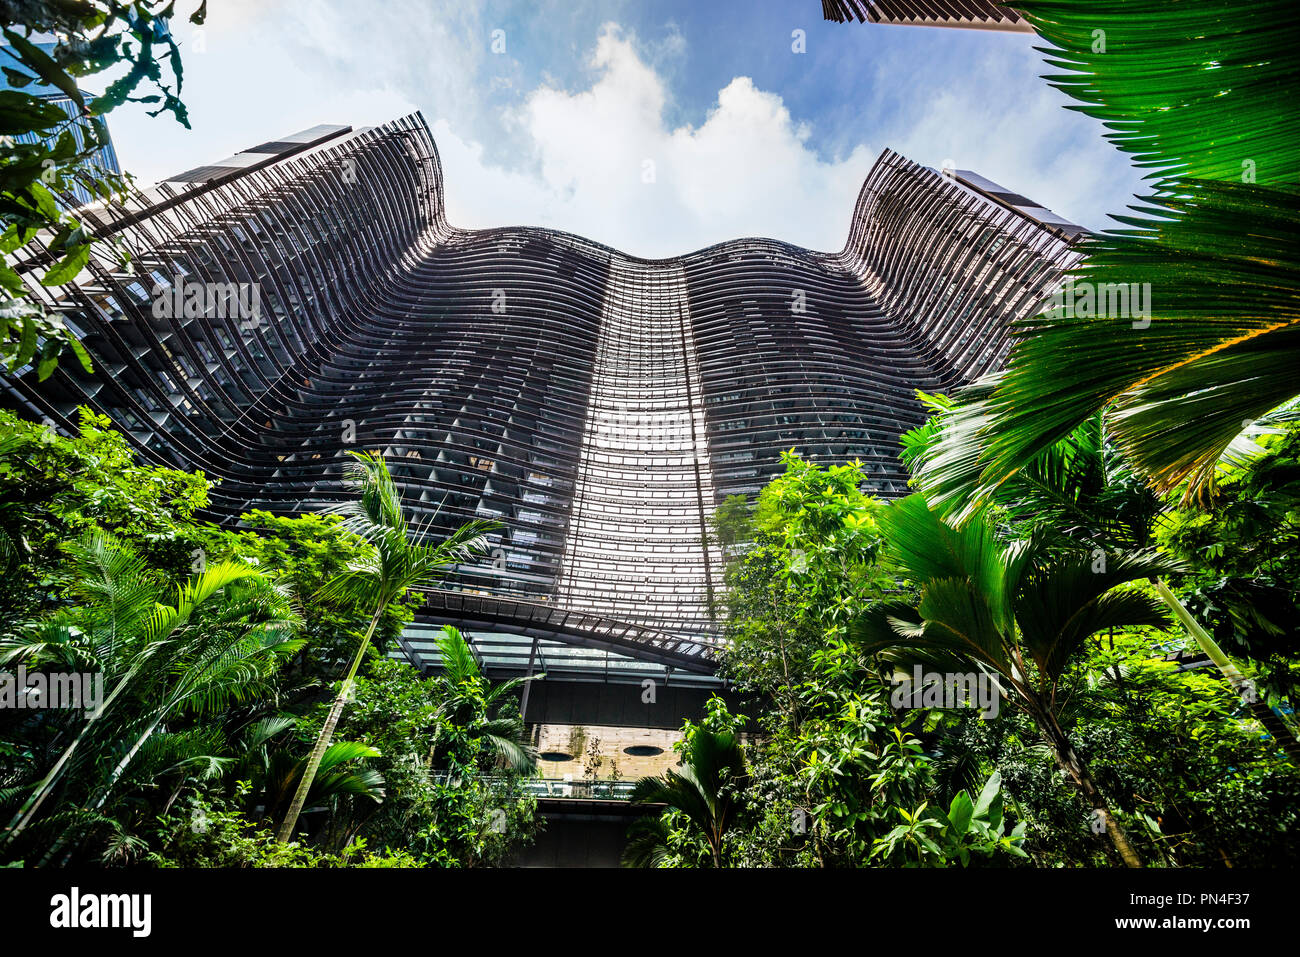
{"x":308,"y":297}
{"x":967,"y":14}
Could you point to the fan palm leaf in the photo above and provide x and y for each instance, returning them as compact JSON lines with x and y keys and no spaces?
{"x":467,"y":697}
{"x":647,"y":843}
{"x":1082,"y":491}
{"x":702,"y":786}
{"x":1017,"y":612}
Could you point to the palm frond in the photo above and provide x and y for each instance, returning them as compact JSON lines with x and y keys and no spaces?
{"x":1215,"y":355}
{"x":927,"y":548}
{"x":647,"y":843}
{"x":1064,"y":602}
{"x":505,"y":740}
{"x":456,"y":656}
{"x":1161,"y":73}
{"x":1217,"y":245}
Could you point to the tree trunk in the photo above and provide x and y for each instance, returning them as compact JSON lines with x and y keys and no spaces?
{"x":326,"y":733}
{"x":1074,"y":766}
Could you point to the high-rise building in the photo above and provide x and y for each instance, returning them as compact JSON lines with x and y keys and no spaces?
{"x":968,"y":14}
{"x":103,"y":158}
{"x":307,"y":297}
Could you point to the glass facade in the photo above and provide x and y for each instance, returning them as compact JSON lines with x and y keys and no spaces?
{"x":104,"y":158}
{"x":307,"y":297}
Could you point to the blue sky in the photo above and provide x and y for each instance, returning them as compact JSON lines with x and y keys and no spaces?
{"x":655,"y":127}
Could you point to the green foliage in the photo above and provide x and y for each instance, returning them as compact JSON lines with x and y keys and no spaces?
{"x":807,"y":570}
{"x":839,"y":778}
{"x":1243,"y":554}
{"x":449,"y":763}
{"x":164,"y":666}
{"x":831,"y":763}
{"x":399,"y":560}
{"x":207,"y":832}
{"x":213,"y":697}
{"x":1160,"y":73}
{"x":304,"y":554}
{"x":93,"y":36}
{"x":970,"y":829}
{"x":702,"y":788}
{"x":55,"y":489}
{"x":733,"y":524}
{"x":998,"y":609}
{"x":1219,"y":347}
{"x":1171,"y":751}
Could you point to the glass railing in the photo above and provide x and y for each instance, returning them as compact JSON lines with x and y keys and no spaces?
{"x":583,"y":790}
{"x":561,"y":788}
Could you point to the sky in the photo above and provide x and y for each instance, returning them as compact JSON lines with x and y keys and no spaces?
{"x":654,"y":127}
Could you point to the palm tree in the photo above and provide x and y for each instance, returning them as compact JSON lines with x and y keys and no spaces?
{"x":274,"y":772}
{"x":396,"y":563}
{"x":1018,"y":614}
{"x":1086,"y":494}
{"x":468,"y":701}
{"x":227,"y":630}
{"x":1218,"y":245}
{"x":702,"y":787}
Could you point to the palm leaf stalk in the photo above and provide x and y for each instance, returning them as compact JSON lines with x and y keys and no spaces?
{"x":1016,"y":614}
{"x":1283,"y":735}
{"x":274,"y":772}
{"x":212,"y":674}
{"x":138,"y":643}
{"x":397,"y":562}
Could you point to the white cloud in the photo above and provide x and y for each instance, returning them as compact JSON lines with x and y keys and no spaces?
{"x":1031,"y":144}
{"x":574,"y":155}
{"x":603,"y":164}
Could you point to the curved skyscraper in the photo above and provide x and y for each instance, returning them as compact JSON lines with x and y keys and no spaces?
{"x":308,"y":297}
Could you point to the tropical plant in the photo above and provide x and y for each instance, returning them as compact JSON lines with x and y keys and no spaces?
{"x":450,"y":798}
{"x":830,"y":758}
{"x":703,"y":788}
{"x":1081,"y":493}
{"x":55,"y":489}
{"x":969,"y":829}
{"x":305,"y":553}
{"x":1015,"y":614}
{"x":58,"y":156}
{"x":474,"y":706}
{"x":1217,"y":245}
{"x":226,"y":633}
{"x":273,"y":772}
{"x":209,"y":831}
{"x":648,"y":842}
{"x":397,"y":563}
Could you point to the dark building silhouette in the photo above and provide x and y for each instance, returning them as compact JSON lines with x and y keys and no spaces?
{"x":967,"y":14}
